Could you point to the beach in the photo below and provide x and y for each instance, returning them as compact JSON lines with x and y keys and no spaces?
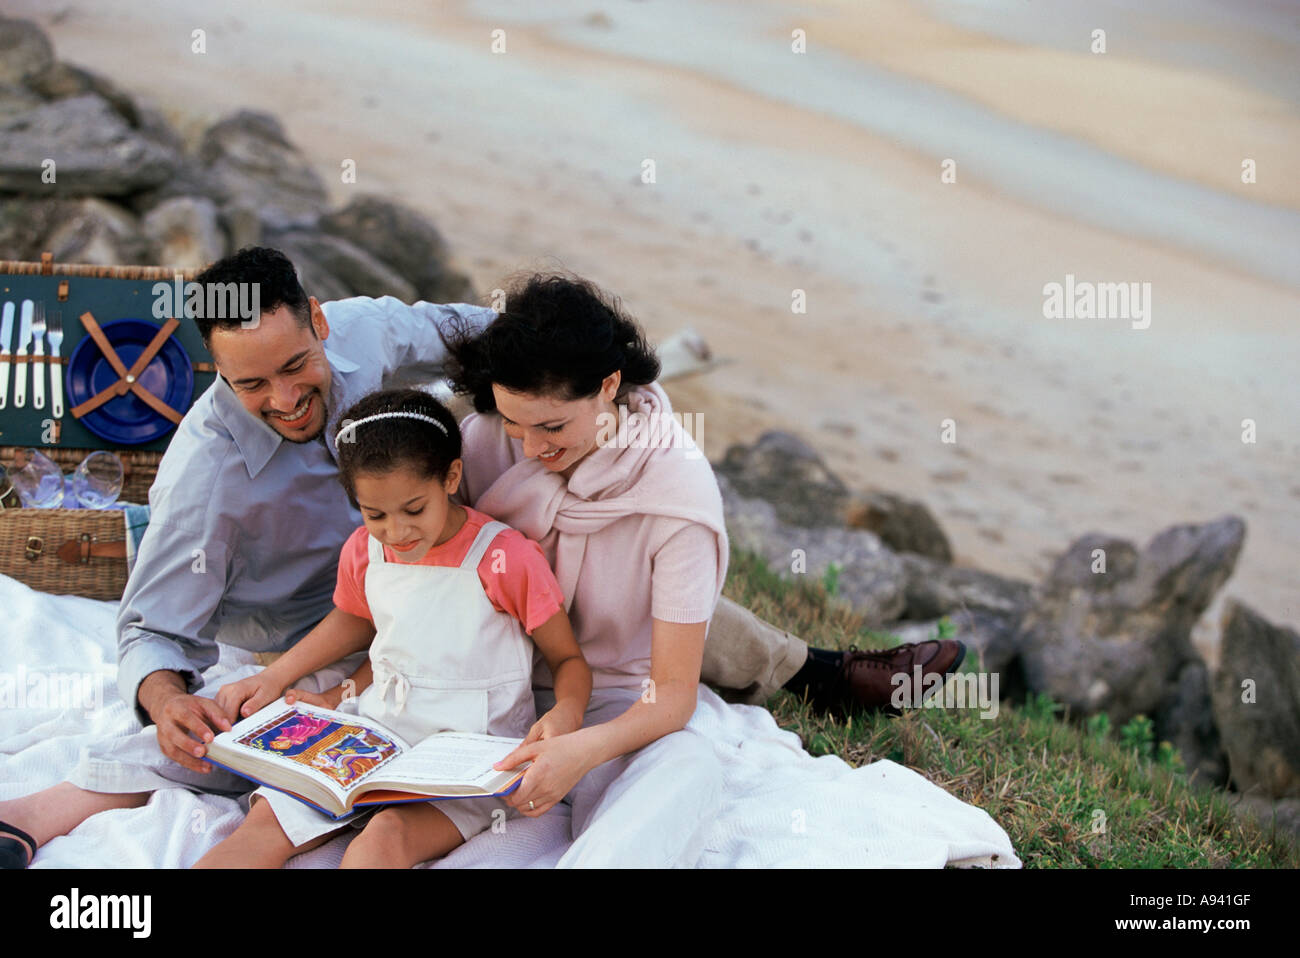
{"x":920,"y":174}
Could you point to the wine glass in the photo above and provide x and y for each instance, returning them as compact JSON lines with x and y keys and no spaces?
{"x":38,"y":480}
{"x":6,"y":486}
{"x":97,"y":481}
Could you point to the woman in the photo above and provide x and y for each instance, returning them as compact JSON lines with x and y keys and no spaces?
{"x":629,"y":514}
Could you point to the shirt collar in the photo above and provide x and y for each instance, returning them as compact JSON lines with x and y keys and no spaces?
{"x":255,"y":440}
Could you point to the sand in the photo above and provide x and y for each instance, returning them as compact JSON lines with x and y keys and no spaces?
{"x":820,"y":172}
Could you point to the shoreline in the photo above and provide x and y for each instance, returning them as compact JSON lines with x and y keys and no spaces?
{"x":924,"y":302}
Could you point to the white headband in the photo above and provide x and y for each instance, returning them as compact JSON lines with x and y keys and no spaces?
{"x":389,"y":415}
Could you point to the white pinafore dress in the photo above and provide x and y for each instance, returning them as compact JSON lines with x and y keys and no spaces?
{"x":444,"y":659}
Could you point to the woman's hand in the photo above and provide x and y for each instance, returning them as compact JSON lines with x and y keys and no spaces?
{"x":558,"y":764}
{"x":246,"y":696}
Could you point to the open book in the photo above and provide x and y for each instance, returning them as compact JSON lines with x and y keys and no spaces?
{"x":336,"y":761}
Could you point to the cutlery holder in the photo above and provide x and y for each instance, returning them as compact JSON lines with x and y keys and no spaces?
{"x":109,"y":294}
{"x":92,"y":541}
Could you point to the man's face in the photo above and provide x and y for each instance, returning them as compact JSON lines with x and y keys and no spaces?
{"x":279,"y":370}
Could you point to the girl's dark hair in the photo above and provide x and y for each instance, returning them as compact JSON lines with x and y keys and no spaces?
{"x":558,"y":336}
{"x":396,"y":441}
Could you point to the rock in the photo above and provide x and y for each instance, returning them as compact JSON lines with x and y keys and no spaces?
{"x":1118,"y":641}
{"x":871,"y":578}
{"x":251,"y":162}
{"x":316,"y":279}
{"x":189,"y":180}
{"x":684,"y":353}
{"x":355,"y":269}
{"x":1186,"y":721}
{"x":905,"y":525}
{"x":403,"y":240}
{"x":24,"y":224}
{"x":935,"y":589}
{"x":783,"y":470}
{"x":243,"y":226}
{"x":986,"y":609}
{"x":61,"y":81}
{"x":95,"y":231}
{"x":95,"y":151}
{"x":15,"y":101}
{"x":1284,"y":813}
{"x":1261,"y":737}
{"x":25,"y":50}
{"x":183,"y":232}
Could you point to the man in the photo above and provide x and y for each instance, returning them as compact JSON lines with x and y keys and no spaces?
{"x":247,"y":519}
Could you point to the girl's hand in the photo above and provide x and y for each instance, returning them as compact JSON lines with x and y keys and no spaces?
{"x":558,"y":764}
{"x":328,"y":699}
{"x":246,"y":696}
{"x":564,"y":718}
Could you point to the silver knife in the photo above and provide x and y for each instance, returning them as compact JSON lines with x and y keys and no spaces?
{"x":24,"y":337}
{"x":38,"y":358}
{"x":6,"y":333}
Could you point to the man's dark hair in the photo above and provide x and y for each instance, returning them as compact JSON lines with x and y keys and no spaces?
{"x":558,"y":336}
{"x":276,"y":279}
{"x":383,"y":445}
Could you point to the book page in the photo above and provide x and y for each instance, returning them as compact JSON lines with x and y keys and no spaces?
{"x":334,"y":748}
{"x":452,"y":758}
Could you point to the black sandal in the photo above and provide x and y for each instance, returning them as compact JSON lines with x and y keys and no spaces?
{"x":13,"y":854}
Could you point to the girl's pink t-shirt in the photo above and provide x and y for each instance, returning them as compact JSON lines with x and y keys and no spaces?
{"x":513,"y":571}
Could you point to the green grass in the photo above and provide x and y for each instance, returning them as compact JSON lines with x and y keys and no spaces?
{"x":1069,"y":795}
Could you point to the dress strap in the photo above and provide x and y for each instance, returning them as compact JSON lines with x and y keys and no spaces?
{"x":484,"y":539}
{"x":376,"y":550}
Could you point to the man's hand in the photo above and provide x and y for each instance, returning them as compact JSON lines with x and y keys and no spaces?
{"x":185,"y":722}
{"x":246,"y":696}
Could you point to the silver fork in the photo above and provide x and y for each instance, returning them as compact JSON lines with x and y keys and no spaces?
{"x":56,"y":368}
{"x":38,"y":357}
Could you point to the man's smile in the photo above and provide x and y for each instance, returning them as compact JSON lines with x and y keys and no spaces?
{"x":298,"y":416}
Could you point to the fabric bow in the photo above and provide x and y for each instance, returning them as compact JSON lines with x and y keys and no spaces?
{"x":387,"y":677}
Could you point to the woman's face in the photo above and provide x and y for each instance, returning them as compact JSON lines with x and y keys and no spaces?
{"x":558,"y":433}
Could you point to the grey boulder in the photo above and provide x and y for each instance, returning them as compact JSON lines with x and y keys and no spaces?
{"x":1257,"y":703}
{"x":95,"y":151}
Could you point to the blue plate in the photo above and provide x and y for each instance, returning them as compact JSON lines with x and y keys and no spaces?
{"x":127,"y":419}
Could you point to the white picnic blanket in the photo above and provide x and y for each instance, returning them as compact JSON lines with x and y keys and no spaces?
{"x":781,"y":807}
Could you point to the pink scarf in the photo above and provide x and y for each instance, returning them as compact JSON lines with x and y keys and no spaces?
{"x":644,"y":470}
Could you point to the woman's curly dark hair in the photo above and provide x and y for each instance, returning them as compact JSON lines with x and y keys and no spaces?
{"x":391,"y":443}
{"x":558,"y":336}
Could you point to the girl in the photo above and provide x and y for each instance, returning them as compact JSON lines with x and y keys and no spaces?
{"x":443,"y":596}
{"x":631,"y":519}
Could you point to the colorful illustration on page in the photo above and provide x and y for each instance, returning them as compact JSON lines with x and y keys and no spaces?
{"x":351,"y":758}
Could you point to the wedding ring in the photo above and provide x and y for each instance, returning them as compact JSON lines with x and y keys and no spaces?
{"x":531,"y":806}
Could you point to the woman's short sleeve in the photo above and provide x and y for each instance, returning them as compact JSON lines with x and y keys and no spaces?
{"x":684,"y":572}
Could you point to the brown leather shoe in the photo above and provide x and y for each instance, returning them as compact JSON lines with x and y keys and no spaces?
{"x":865,"y":677}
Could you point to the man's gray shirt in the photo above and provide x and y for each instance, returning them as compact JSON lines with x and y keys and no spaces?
{"x":245,"y":526}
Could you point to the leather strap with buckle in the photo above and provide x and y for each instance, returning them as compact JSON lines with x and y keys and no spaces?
{"x":83,"y":548}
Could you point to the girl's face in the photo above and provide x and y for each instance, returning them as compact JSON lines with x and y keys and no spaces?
{"x":556,"y":432}
{"x":408,"y":512}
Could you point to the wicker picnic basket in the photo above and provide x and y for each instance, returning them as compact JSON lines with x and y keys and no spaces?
{"x":81,"y":551}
